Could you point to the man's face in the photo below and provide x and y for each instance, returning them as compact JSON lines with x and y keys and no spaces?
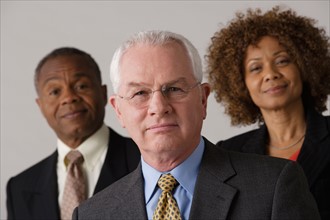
{"x":71,"y":98}
{"x":162,"y":127}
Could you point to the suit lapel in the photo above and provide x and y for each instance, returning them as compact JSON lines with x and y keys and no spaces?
{"x":42,"y":198}
{"x":212,"y":196}
{"x":315,"y":152}
{"x":114,"y":166}
{"x":132,"y":195}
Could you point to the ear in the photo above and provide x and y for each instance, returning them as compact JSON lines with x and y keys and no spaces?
{"x":206,"y":90}
{"x":113,"y":100}
{"x":39,"y":103}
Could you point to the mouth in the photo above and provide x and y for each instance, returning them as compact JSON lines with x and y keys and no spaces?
{"x":275,"y":89}
{"x":74,"y":114}
{"x":162,"y":127}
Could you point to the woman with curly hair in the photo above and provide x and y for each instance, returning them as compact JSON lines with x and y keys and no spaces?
{"x":273,"y":69}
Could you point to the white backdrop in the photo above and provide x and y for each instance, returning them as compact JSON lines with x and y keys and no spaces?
{"x":31,"y":29}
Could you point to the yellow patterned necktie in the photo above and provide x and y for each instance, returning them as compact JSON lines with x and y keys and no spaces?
{"x":75,"y":186}
{"x":167,"y":208}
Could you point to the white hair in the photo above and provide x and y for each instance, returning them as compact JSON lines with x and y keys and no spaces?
{"x":154,"y":37}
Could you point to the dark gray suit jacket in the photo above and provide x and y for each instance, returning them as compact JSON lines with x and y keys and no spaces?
{"x":33,"y":194}
{"x":230,"y":185}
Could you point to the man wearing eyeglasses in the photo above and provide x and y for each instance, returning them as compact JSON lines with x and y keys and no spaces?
{"x":160,"y":100}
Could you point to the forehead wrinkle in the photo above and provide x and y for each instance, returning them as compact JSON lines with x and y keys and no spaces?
{"x":77,"y":75}
{"x":50,"y":79}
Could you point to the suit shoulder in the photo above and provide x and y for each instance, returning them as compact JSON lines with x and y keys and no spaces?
{"x":235,"y":142}
{"x":258,"y":163}
{"x":118,"y":138}
{"x":38,"y":168}
{"x":115,"y":135}
{"x":124,"y":144}
{"x":244,"y":159}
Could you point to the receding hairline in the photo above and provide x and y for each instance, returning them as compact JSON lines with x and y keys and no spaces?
{"x":66,"y":52}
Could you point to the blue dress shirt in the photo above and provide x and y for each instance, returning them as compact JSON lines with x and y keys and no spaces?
{"x":186,"y":175}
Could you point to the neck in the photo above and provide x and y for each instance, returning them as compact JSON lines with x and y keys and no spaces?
{"x":165,"y":162}
{"x":285,"y":126}
{"x":286,"y":129}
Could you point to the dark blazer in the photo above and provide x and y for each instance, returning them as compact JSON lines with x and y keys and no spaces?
{"x":33,"y":194}
{"x":229,"y":185}
{"x":314,"y":156}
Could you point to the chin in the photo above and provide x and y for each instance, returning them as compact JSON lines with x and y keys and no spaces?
{"x":166,"y":143}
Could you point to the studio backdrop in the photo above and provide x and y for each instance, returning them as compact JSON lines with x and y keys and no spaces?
{"x":31,"y":29}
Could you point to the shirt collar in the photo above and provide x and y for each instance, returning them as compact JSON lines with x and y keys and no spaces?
{"x":92,"y":148}
{"x":185,"y":173}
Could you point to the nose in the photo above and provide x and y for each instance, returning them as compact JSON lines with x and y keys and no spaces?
{"x":69,"y":96}
{"x":158,"y":104}
{"x":272,"y":73}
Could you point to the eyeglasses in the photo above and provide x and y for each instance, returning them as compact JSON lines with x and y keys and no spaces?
{"x":140,"y":97}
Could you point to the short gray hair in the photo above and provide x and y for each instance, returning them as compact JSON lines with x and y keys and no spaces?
{"x":154,"y":37}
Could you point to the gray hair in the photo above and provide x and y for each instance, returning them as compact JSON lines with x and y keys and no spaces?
{"x":154,"y":37}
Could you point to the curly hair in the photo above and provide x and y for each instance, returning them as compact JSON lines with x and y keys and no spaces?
{"x":307,"y":45}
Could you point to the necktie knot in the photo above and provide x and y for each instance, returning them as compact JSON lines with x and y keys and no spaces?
{"x":74,"y":157}
{"x":167,"y":207}
{"x":167,"y":182}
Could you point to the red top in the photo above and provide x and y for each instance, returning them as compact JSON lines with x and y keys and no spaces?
{"x":294,"y":157}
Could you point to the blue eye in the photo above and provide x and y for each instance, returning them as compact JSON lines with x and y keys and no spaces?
{"x":140,"y":93}
{"x":173,"y":89}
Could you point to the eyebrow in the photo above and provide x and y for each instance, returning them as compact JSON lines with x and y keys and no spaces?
{"x":274,"y":54}
{"x":138,"y":84}
{"x":76,"y":75}
{"x":280,"y":51}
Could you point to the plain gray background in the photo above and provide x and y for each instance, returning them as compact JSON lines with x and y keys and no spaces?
{"x":31,"y":29}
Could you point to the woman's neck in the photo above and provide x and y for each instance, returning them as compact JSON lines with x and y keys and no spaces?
{"x":286,"y":129}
